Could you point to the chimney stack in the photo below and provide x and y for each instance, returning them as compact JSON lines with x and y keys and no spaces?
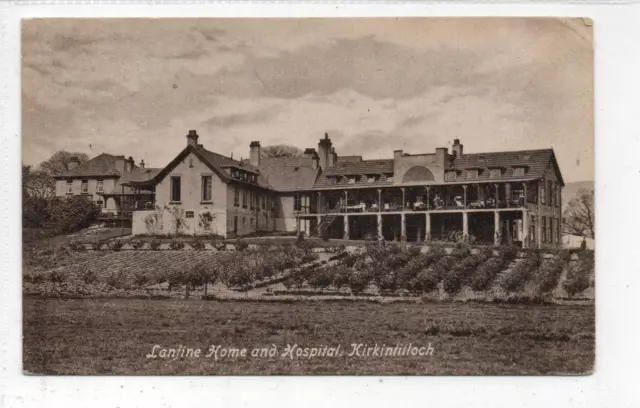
{"x":141,"y":164}
{"x":254,"y":153}
{"x":397,"y":154}
{"x":73,"y":163}
{"x":457,"y":148}
{"x":128,"y":164}
{"x":310,"y":152}
{"x":324,"y":152}
{"x":192,"y":138}
{"x":441,"y":155}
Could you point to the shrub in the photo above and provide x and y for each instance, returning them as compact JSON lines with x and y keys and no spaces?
{"x":340,"y":276}
{"x":548,"y":275}
{"x":115,"y":245}
{"x":320,"y":278}
{"x":579,"y":274}
{"x":88,"y":276}
{"x":309,"y":257}
{"x":519,"y":275}
{"x":155,"y":244}
{"x":359,"y":280}
{"x":116,"y":279}
{"x":425,"y":281}
{"x":197,"y":244}
{"x":486,"y":273}
{"x":76,"y":245}
{"x":136,"y":243}
{"x":57,"y":276}
{"x":241,"y":245}
{"x":509,"y":253}
{"x":176,"y":245}
{"x":60,"y":214}
{"x":141,"y":279}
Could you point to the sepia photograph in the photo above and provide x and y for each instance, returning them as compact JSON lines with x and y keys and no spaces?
{"x":308,"y":196}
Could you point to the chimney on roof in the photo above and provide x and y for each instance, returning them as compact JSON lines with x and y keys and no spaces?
{"x":457,"y":148}
{"x":141,"y":165}
{"x":325,"y":152}
{"x":310,"y":152}
{"x":441,"y":155}
{"x":397,"y":154}
{"x":128,"y":164}
{"x":192,"y":138}
{"x":73,"y":163}
{"x":254,"y":153}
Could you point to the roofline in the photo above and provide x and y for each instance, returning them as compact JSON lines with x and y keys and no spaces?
{"x":88,"y":176}
{"x":436,"y":184}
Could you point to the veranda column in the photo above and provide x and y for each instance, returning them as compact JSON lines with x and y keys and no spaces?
{"x":403,"y":227}
{"x":427,"y":230}
{"x":464,"y":195}
{"x":428,"y":202}
{"x":403,"y":205}
{"x":496,"y":228}
{"x":379,"y":225}
{"x":507,"y":189}
{"x":319,"y":221}
{"x":319,"y":204}
{"x":379,"y":199}
{"x":346,"y":201}
{"x":346,"y":227}
{"x":497,"y":195}
{"x":525,"y":229}
{"x":526,"y":197}
{"x":465,"y":226}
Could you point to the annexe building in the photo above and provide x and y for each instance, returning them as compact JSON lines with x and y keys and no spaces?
{"x":493,"y":198}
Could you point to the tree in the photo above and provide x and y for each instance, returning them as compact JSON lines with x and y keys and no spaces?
{"x":40,"y":185}
{"x":58,"y":163}
{"x":579,"y":217}
{"x":281,"y":150}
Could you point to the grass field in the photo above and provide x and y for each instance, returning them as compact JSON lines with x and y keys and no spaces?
{"x":113,"y":336}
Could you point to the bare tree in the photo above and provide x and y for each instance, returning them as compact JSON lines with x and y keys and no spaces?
{"x":579,"y":217}
{"x":281,"y":150}
{"x":40,"y":185}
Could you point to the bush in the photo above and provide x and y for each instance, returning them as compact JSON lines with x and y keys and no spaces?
{"x":309,"y":257}
{"x":136,"y":243}
{"x":425,"y":281}
{"x":62,"y":215}
{"x":77,"y":246}
{"x":340,"y":276}
{"x":241,"y":245}
{"x":56,"y":276}
{"x":548,"y":275}
{"x":115,"y":245}
{"x":197,"y":245}
{"x":34,"y":277}
{"x":486,"y":273}
{"x":519,"y":275}
{"x":88,"y":276}
{"x":320,"y":278}
{"x":579,"y":274}
{"x":141,"y":279}
{"x":359,"y":280}
{"x":116,"y":279}
{"x":155,"y":244}
{"x":176,"y":245}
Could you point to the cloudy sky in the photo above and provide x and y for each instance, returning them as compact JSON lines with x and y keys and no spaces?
{"x":136,"y":87}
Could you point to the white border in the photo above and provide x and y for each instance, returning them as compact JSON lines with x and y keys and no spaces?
{"x":617,"y":36}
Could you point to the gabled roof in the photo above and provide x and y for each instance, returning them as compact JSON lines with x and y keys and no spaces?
{"x":289,"y":173}
{"x":214,"y":161}
{"x":535,"y":161}
{"x":342,"y":168}
{"x":137,"y":175}
{"x":103,"y":165}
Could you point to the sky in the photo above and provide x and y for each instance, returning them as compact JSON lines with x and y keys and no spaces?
{"x":137,"y":86}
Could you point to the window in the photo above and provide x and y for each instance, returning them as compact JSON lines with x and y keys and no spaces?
{"x":244,"y":198}
{"x":352,"y":180}
{"x":263,"y":202}
{"x":495,"y":173}
{"x":450,"y":176}
{"x":188,"y":214}
{"x":331,"y":180}
{"x":99,"y":186}
{"x":244,"y":220}
{"x":542,"y":193}
{"x":550,"y":190}
{"x":251,"y":200}
{"x":252,"y":220}
{"x":518,"y":172}
{"x":207,"y":186}
{"x":99,"y":202}
{"x":85,"y":187}
{"x":548,"y":230}
{"x":558,"y":196}
{"x":296,"y":203}
{"x":544,"y":230}
{"x":390,"y":178}
{"x":557,"y":231}
{"x":472,"y":174}
{"x":69,"y":186}
{"x":532,"y":229}
{"x":371,"y":179}
{"x":175,"y":189}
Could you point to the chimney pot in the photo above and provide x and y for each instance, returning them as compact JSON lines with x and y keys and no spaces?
{"x":457,"y":148}
{"x":141,"y":164}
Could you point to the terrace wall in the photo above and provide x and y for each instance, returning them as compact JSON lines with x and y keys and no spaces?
{"x":165,"y":225}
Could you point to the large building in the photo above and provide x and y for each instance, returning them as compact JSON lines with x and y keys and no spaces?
{"x":493,"y":198}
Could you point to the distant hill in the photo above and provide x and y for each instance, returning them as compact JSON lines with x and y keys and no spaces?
{"x":571,"y":190}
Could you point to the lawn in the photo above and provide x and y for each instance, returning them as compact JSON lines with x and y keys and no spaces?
{"x":113,"y":336}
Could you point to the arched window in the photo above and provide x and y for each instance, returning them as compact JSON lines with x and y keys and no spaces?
{"x":418,"y":173}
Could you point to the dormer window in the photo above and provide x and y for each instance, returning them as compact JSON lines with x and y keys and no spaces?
{"x":472,"y":174}
{"x":495,"y":173}
{"x":519,"y":172}
{"x":390,"y":178}
{"x":450,"y":176}
{"x":371,"y":179}
{"x":352,"y":180}
{"x":331,"y":180}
